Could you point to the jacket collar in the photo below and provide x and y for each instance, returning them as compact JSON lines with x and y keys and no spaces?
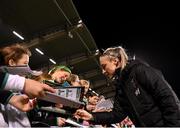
{"x":123,"y":74}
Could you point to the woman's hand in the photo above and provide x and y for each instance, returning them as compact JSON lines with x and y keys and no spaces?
{"x":82,"y":114}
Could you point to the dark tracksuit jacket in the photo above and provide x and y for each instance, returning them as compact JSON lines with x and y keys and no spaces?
{"x":144,"y":95}
{"x":5,"y":96}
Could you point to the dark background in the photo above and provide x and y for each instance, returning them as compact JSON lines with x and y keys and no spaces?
{"x":147,"y":30}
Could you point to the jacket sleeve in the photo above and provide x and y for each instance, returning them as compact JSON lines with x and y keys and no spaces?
{"x":114,"y":116}
{"x":5,"y":96}
{"x":162,"y":93}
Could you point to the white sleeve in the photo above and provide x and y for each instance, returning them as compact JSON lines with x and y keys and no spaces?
{"x":15,"y":83}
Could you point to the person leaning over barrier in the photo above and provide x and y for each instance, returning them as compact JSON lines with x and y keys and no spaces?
{"x":142,"y":93}
{"x":17,"y":55}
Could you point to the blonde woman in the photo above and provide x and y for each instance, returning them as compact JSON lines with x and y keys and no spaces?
{"x":142,"y":93}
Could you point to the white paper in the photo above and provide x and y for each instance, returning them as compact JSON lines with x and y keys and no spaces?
{"x":106,"y":104}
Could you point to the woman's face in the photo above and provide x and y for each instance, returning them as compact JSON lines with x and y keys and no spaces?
{"x":24,"y":60}
{"x":60,"y":76}
{"x":108,"y":66}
